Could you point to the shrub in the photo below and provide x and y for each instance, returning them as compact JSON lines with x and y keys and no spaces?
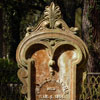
{"x":8,"y":71}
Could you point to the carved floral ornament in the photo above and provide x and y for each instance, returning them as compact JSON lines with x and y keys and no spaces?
{"x":51,"y":34}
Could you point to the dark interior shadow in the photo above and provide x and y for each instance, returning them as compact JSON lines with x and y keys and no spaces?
{"x":33,"y":48}
{"x":33,"y":81}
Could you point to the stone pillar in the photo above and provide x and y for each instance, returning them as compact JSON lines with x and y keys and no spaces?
{"x":51,"y":59}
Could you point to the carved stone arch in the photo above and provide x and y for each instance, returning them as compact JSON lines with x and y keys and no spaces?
{"x":64,"y":47}
{"x":26,"y":46}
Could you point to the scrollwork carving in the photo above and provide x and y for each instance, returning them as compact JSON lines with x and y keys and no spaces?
{"x":23,"y":75}
{"x":52,"y":41}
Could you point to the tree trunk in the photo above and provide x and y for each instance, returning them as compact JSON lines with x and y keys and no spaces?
{"x":1,"y":31}
{"x":90,"y":30}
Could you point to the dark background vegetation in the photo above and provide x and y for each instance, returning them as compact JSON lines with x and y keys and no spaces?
{"x":17,"y":15}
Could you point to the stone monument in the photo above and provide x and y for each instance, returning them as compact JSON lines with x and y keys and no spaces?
{"x":51,"y":59}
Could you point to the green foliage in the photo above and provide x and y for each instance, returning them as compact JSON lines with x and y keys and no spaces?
{"x":1,"y":5}
{"x":8,"y":71}
{"x":31,"y":18}
{"x":17,"y":15}
{"x":90,"y":40}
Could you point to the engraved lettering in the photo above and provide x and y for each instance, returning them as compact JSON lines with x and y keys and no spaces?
{"x":45,"y":96}
{"x":51,"y":89}
{"x":59,"y":97}
{"x":51,"y":96}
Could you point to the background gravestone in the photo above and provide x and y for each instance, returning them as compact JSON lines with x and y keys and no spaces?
{"x":51,"y":59}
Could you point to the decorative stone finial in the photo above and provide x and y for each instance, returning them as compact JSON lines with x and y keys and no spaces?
{"x":52,"y":13}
